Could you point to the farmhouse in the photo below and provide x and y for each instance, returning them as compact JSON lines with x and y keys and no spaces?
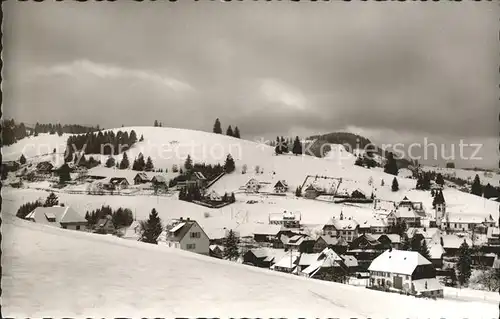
{"x":405,"y":271}
{"x":141,"y":178}
{"x":389,"y":240}
{"x":311,"y":192}
{"x":338,"y":244}
{"x":281,"y":186}
{"x":285,"y":219}
{"x":187,"y":234}
{"x":252,"y":186}
{"x":301,"y":243}
{"x":117,"y":183}
{"x":64,"y":217}
{"x":266,"y":233}
{"x":374,"y":225}
{"x":159,"y":181}
{"x":195,"y":179}
{"x":105,"y":226}
{"x":451,"y":244}
{"x":263,"y":257}
{"x":345,"y":228}
{"x":318,"y":263}
{"x":288,"y":263}
{"x":216,"y":251}
{"x":133,"y":232}
{"x":406,"y":214}
{"x":365,"y":249}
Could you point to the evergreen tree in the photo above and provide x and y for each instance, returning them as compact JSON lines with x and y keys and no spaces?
{"x":124,"y":164}
{"x":297,"y":146}
{"x":64,"y":174}
{"x":395,"y":185}
{"x":51,"y":200}
{"x":110,"y":162}
{"x":231,"y":251}
{"x":232,"y":199}
{"x":22,"y":159}
{"x":391,"y":167}
{"x":284,"y":145}
{"x":476,"y":188}
{"x":188,"y":164}
{"x":152,"y":228}
{"x":229,"y":165}
{"x":229,"y":131}
{"x":439,"y":179}
{"x":438,"y":199}
{"x":149,"y":165}
{"x":405,"y":242}
{"x":236,"y":132}
{"x":278,"y":149}
{"x":27,"y":208}
{"x":133,"y":137}
{"x":382,"y":183}
{"x":298,"y":191}
{"x":359,"y":161}
{"x":217,"y":127}
{"x":464,"y":263}
{"x":156,"y":123}
{"x":141,"y":139}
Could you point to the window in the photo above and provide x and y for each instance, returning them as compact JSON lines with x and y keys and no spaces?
{"x":77,"y":227}
{"x":190,"y":246}
{"x":64,"y":226}
{"x":195,"y":235}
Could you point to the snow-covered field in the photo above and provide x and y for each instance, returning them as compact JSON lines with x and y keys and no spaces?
{"x":51,"y":272}
{"x":492,"y":178}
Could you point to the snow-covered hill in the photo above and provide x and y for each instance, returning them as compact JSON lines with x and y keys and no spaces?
{"x":492,"y":178}
{"x":51,"y":272}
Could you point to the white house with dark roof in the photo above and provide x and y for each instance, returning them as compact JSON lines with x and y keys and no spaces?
{"x":281,"y":186}
{"x":346,"y":228}
{"x":58,"y":216}
{"x":406,"y":271}
{"x":187,"y":234}
{"x":286,"y":219}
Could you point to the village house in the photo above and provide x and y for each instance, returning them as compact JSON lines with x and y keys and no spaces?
{"x":493,"y":236}
{"x":301,"y":243}
{"x":288,"y":263}
{"x":117,"y":183}
{"x":133,"y":232}
{"x":406,"y":214}
{"x":195,"y":179}
{"x":389,"y":240}
{"x":187,"y":234}
{"x":436,"y":252}
{"x":281,"y":186}
{"x":463,"y":223}
{"x":252,"y":186}
{"x":365,"y":249}
{"x":58,"y":216}
{"x":351,"y":264}
{"x":286,"y":219}
{"x":263,"y":257}
{"x":213,"y":196}
{"x":266,"y":233}
{"x":105,"y":226}
{"x":451,"y":244}
{"x":374,"y":225}
{"x":384,"y":205}
{"x":404,"y":271}
{"x":316,"y":264}
{"x":141,"y":178}
{"x":341,"y":227}
{"x":338,"y":244}
{"x":312,"y":191}
{"x":159,"y":181}
{"x":216,"y":251}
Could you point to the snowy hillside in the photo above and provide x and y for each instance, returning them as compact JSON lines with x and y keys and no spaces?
{"x":86,"y":275}
{"x":486,"y":177}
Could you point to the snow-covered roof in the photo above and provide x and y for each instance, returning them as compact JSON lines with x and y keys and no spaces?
{"x":288,"y":261}
{"x":454,"y":242}
{"x":143,"y":176}
{"x":431,"y":283}
{"x":334,"y":241}
{"x":398,"y":261}
{"x":405,"y":212}
{"x":469,"y":219}
{"x":350,"y":261}
{"x":61,"y":215}
{"x":343,"y":224}
{"x":394,"y":238}
{"x":373,"y":222}
{"x":133,"y":231}
{"x":263,"y":229}
{"x":281,"y":183}
{"x":285,"y":215}
{"x":436,"y":251}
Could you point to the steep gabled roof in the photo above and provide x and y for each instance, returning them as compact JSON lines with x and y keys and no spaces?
{"x":398,"y":261}
{"x":199,"y":176}
{"x":281,"y":183}
{"x":142,"y":176}
{"x":62,"y":215}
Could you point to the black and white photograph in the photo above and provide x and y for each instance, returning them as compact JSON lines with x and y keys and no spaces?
{"x":250,"y":159}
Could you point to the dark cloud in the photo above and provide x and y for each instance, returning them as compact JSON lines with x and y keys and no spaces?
{"x":429,"y":69}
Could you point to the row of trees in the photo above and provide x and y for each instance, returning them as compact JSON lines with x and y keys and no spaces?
{"x":121,"y":217}
{"x":107,"y":143}
{"x":60,"y":129}
{"x":283,"y":145}
{"x":141,"y":165}
{"x":229,"y":132}
{"x":12,"y":132}
{"x":50,"y":201}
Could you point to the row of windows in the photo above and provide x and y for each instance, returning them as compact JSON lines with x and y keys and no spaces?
{"x":387,"y":274}
{"x":191,"y":246}
{"x":195,"y":235}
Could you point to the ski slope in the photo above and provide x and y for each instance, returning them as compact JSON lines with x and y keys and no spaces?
{"x":52,"y":272}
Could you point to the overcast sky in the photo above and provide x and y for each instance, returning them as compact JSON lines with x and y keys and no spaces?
{"x":395,"y":72}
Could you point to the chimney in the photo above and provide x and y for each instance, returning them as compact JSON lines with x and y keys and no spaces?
{"x":188,"y":219}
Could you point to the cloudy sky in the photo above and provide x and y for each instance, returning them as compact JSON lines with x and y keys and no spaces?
{"x":395,"y":72}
